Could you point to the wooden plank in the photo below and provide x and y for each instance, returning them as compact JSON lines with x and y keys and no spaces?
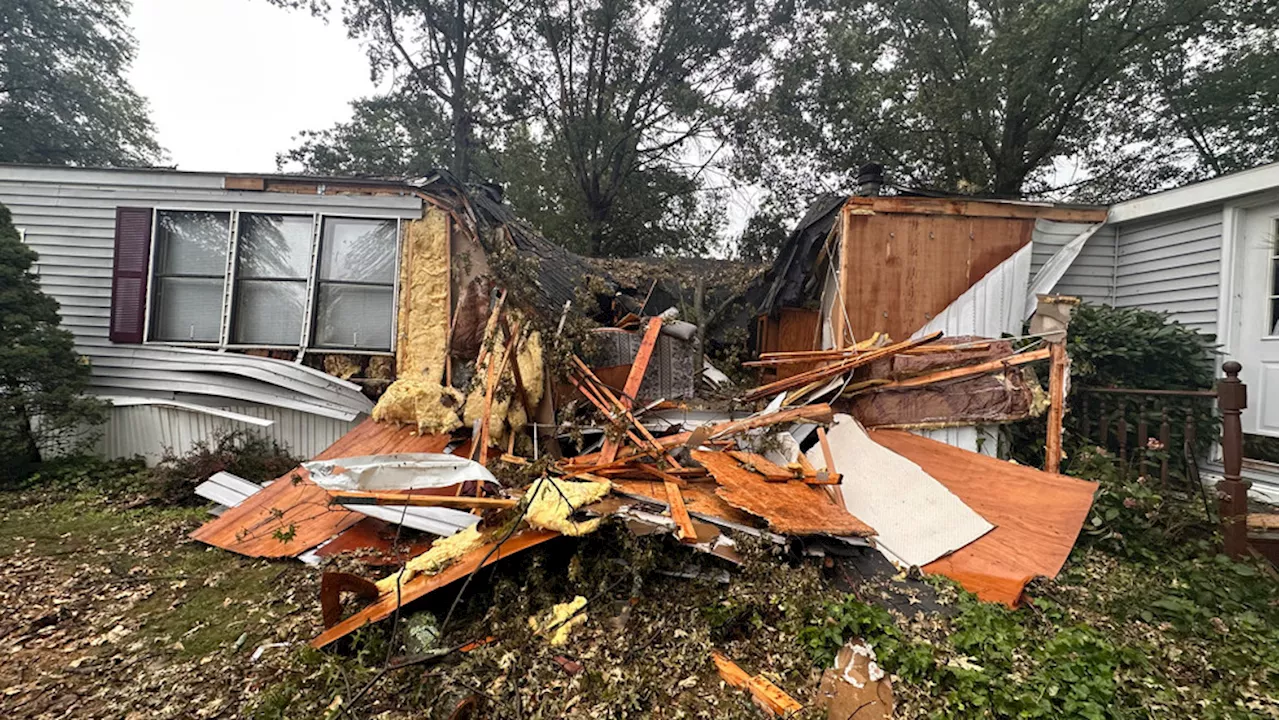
{"x":405,"y":499}
{"x":771,"y":471}
{"x":1057,"y":405}
{"x":827,"y":474}
{"x":791,"y":508}
{"x":978,"y":208}
{"x":679,"y":514}
{"x":634,"y":378}
{"x":962,"y":372}
{"x":1037,"y":515}
{"x":767,"y":696}
{"x":232,"y":182}
{"x":422,"y":585}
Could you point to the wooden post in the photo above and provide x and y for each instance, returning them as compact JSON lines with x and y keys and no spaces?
{"x":1122,"y":430}
{"x":1140,"y":451}
{"x":1103,"y":422}
{"x":1164,"y":447}
{"x":1057,"y":405}
{"x":1233,"y":492}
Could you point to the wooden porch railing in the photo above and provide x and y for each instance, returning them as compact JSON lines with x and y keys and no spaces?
{"x":1103,"y":414}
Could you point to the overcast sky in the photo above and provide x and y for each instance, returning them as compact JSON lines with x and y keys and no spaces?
{"x":231,"y":82}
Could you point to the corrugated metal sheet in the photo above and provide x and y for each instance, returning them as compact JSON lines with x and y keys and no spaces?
{"x":68,"y":214}
{"x":1171,"y":264}
{"x":992,"y":306}
{"x":148,"y":430}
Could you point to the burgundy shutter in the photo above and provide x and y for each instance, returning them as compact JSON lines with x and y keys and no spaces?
{"x":129,"y":274}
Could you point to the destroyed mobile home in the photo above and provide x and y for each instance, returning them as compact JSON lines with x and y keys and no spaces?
{"x":525,"y":397}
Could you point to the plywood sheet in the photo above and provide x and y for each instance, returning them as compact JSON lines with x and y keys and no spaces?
{"x":293,"y":514}
{"x":790,"y":508}
{"x":1037,"y":515}
{"x":699,"y":499}
{"x":901,"y":270}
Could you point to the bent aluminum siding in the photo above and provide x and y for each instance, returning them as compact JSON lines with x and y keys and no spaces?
{"x":150,"y":430}
{"x":67,"y":215}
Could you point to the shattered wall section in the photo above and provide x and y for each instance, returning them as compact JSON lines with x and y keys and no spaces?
{"x":416,"y":396}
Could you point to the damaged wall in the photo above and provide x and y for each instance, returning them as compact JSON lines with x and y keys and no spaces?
{"x":418,"y":396}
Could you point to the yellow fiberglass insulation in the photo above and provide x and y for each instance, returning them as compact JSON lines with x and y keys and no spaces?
{"x":507,"y":411}
{"x":552,"y":501}
{"x":415,"y":396}
{"x":559,"y":621}
{"x":502,"y":397}
{"x":427,"y":404}
{"x":443,"y":553}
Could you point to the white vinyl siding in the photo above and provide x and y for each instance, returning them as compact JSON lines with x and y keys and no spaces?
{"x":1172,"y":263}
{"x":68,"y":217}
{"x":1091,"y":276}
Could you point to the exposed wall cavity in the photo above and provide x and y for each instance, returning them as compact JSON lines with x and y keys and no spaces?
{"x":417,"y":395}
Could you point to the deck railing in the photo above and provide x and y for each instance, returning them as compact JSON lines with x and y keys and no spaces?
{"x":1104,"y":414}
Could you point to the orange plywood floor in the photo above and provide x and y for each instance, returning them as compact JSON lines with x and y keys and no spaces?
{"x":1037,"y":515}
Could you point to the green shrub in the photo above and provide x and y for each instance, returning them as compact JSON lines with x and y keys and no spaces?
{"x":43,"y":408}
{"x":1127,"y":348}
{"x":241,"y":453}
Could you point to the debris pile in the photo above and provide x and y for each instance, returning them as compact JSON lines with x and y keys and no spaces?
{"x":794,"y":472}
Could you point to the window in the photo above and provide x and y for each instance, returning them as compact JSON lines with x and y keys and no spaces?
{"x":355,"y":295}
{"x":1273,"y":292}
{"x":259,"y":280}
{"x":190,"y":272}
{"x":273,"y":262}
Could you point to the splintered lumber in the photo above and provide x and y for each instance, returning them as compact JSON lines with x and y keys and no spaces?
{"x":790,"y":508}
{"x":769,"y":697}
{"x":405,"y":499}
{"x":828,"y":475}
{"x":490,"y":385}
{"x":679,"y":514}
{"x":839,"y":368}
{"x":609,"y":396}
{"x":1057,"y":402}
{"x":771,"y":471}
{"x":962,"y":372}
{"x":819,"y":413}
{"x":634,"y":378}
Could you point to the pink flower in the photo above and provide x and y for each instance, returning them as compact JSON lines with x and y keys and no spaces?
{"x":1154,"y":444}
{"x":1130,"y":503}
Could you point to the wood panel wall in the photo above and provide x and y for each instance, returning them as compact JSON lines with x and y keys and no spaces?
{"x":898,"y":270}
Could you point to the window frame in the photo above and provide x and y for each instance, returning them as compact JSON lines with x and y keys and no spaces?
{"x":1271,"y":316}
{"x":311,"y":317}
{"x":231,"y":277}
{"x":153,"y":287}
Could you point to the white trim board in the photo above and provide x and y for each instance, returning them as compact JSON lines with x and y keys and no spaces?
{"x":1218,"y":189}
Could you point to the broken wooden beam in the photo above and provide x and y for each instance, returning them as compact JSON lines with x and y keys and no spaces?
{"x":963,"y":372}
{"x":405,"y":499}
{"x":634,"y":378}
{"x":767,"y":696}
